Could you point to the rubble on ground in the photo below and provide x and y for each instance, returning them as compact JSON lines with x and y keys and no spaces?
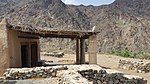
{"x":56,"y":62}
{"x":102,"y":77}
{"x":75,"y":74}
{"x":54,"y":54}
{"x":137,"y":66}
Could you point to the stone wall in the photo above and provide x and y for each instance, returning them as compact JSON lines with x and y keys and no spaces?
{"x":102,"y":77}
{"x":27,"y":73}
{"x":93,"y":74}
{"x":75,"y":74}
{"x":137,"y":66}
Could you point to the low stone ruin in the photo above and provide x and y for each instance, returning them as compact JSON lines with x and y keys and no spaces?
{"x":27,"y":73}
{"x":71,"y":76}
{"x":93,"y":74}
{"x":137,"y":66}
{"x":75,"y":74}
{"x":102,"y":77}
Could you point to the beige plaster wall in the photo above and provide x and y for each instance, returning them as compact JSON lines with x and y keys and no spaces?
{"x":15,"y":47}
{"x":4,"y":58}
{"x":92,"y":49}
{"x":10,"y":47}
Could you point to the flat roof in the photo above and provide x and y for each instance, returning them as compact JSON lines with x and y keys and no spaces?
{"x":53,"y":33}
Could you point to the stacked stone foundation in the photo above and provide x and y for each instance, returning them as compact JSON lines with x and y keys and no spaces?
{"x":137,"y":66}
{"x":75,"y":74}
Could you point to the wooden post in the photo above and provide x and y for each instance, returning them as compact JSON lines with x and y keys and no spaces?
{"x":77,"y":51}
{"x":82,"y":51}
{"x":92,"y":49}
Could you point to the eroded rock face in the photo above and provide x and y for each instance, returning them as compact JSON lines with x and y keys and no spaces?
{"x":137,"y":66}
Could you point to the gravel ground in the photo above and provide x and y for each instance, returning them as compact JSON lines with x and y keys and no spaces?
{"x":112,"y":62}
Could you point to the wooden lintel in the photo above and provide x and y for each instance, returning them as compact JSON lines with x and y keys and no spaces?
{"x":28,"y":37}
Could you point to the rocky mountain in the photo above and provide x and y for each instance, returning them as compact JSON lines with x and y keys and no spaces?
{"x":45,"y":13}
{"x":140,"y":8}
{"x":124,"y":24}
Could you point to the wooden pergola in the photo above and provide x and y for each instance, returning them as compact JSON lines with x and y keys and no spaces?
{"x":79,"y":35}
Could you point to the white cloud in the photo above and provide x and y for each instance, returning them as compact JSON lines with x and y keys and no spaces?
{"x":70,"y":1}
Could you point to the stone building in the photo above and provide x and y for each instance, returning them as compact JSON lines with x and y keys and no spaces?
{"x":17,"y":49}
{"x":19,"y":46}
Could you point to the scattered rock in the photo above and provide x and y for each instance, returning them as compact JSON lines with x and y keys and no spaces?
{"x":102,"y":77}
{"x":55,"y":54}
{"x":139,"y":66}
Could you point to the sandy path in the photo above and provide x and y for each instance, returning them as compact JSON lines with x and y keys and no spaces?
{"x":109,"y":61}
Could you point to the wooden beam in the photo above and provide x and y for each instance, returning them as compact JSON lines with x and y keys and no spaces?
{"x":57,"y":35}
{"x":77,"y":51}
{"x":82,"y":51}
{"x":28,"y":37}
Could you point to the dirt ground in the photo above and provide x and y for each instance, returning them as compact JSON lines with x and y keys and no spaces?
{"x":108,"y":61}
{"x":112,"y":61}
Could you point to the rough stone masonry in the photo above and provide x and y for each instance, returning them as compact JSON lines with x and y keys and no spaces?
{"x":75,"y":74}
{"x":137,"y":66}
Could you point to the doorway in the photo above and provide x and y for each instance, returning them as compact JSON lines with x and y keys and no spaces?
{"x":34,"y":55}
{"x":24,"y":55}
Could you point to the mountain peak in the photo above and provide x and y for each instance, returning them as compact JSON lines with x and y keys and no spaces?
{"x":46,"y":3}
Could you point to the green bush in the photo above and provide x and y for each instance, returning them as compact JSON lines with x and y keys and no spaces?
{"x":130,"y":54}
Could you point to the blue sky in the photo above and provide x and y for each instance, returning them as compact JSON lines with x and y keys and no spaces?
{"x":88,"y":2}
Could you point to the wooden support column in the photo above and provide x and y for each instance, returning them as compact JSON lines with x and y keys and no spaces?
{"x":77,"y":51}
{"x":29,"y":55}
{"x":92,"y":49}
{"x":82,"y":51}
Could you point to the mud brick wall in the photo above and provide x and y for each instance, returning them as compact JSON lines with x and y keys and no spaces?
{"x":4,"y":59}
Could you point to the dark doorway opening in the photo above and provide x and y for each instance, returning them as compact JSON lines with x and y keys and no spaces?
{"x":34,"y":55}
{"x":24,"y":55}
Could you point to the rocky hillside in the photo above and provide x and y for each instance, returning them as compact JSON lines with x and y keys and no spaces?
{"x":44,"y":13}
{"x":124,"y":24}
